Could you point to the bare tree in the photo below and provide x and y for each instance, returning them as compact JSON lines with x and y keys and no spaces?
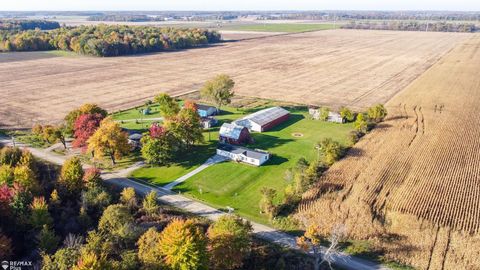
{"x":312,"y":240}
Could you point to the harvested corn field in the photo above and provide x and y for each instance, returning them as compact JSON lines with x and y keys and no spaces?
{"x":333,"y":67}
{"x":416,"y":177}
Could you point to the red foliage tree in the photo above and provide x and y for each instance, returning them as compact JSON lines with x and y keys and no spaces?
{"x":189,"y":104}
{"x":6,"y":194}
{"x":157,"y":131}
{"x":6,"y":197}
{"x":84,"y":127}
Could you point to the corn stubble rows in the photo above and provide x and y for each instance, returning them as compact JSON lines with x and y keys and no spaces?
{"x":340,"y":67}
{"x":417,"y":176}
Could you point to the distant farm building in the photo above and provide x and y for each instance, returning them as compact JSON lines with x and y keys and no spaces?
{"x":234,"y":134}
{"x":242,"y":154}
{"x":208,"y":122}
{"x":206,"y":110}
{"x":333,"y":117}
{"x":265,"y":119}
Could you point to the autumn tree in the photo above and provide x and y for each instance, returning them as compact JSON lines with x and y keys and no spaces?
{"x":156,"y":130}
{"x":312,"y":239}
{"x":330,"y":150}
{"x":128,"y":197}
{"x":377,"y":113}
{"x":347,"y":114}
{"x":186,"y":127}
{"x":10,"y":156}
{"x":71,"y":177}
{"x":84,"y":127}
{"x":109,"y":140}
{"x":149,"y":249}
{"x":24,"y":176}
{"x":168,"y":105}
{"x":229,"y":242}
{"x":160,"y":149}
{"x":39,"y":213}
{"x":6,"y":175}
{"x":219,"y":90}
{"x":267,"y":205}
{"x":184,"y":245}
{"x":117,"y":221}
{"x":149,"y":204}
{"x":51,"y":134}
{"x":190,"y":104}
{"x":88,"y":108}
{"x":361,"y":124}
{"x":92,"y":177}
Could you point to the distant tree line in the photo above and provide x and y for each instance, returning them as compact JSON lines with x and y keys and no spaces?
{"x":124,"y":18}
{"x":414,"y":26}
{"x":371,"y":15}
{"x":107,"y":40}
{"x":28,"y":25}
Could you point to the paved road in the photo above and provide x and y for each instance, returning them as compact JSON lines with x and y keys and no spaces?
{"x":166,"y":196}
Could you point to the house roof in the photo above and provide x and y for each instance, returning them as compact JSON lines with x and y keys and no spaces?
{"x":231,"y":131}
{"x":266,"y":116}
{"x":243,"y":151}
{"x":204,"y":107}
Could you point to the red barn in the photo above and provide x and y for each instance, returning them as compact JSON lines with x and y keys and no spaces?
{"x":234,"y":134}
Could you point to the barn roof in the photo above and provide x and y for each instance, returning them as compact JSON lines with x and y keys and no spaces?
{"x":204,"y":107}
{"x":231,"y":131}
{"x":266,"y":116}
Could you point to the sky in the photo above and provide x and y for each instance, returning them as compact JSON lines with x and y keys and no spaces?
{"x":158,"y":5}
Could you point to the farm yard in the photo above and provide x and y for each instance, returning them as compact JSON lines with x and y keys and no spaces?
{"x":238,"y":185}
{"x":333,"y":67}
{"x":417,"y":178}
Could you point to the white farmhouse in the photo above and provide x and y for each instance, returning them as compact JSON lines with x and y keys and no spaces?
{"x":242,"y":154}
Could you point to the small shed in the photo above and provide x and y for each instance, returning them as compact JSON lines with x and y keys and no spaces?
{"x":206,"y":110}
{"x":234,"y":134}
{"x":208,"y":122}
{"x":241,"y":154}
{"x":134,"y":139}
{"x":335,"y":117}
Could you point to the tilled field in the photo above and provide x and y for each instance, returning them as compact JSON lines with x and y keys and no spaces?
{"x":335,"y":68}
{"x":417,"y":176}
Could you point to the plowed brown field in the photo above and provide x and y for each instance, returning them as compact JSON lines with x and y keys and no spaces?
{"x":417,"y":176}
{"x":339,"y":67}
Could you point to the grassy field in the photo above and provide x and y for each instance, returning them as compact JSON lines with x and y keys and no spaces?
{"x":281,"y":27}
{"x":238,"y":185}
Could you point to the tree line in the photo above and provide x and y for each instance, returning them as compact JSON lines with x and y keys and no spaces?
{"x":107,"y":40}
{"x":124,"y":18}
{"x":67,"y":218}
{"x":28,"y":25}
{"x":413,"y":26}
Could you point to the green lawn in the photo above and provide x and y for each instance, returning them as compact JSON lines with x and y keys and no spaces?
{"x":136,"y":114}
{"x":239,"y":185}
{"x":281,"y":27}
